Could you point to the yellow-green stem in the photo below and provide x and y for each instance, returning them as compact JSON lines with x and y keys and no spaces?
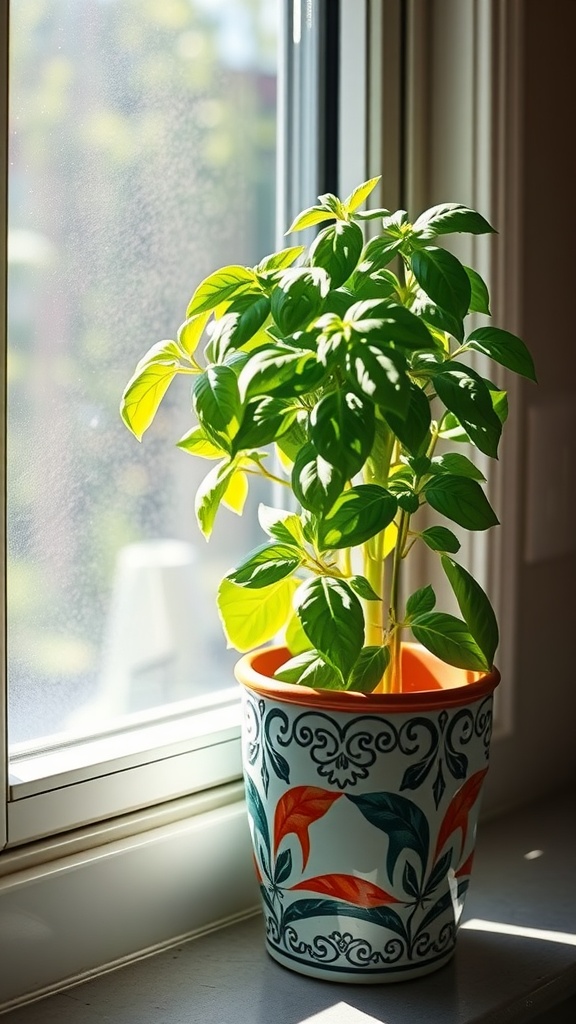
{"x":393,"y":676}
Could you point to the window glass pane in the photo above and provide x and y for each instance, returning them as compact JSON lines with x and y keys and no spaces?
{"x":142,"y":156}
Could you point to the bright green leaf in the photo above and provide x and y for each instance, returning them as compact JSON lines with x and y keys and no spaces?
{"x":146,"y":389}
{"x":196,"y":442}
{"x":307,"y":219}
{"x":363,"y":588}
{"x":217,"y":404}
{"x":360,"y":194}
{"x":283,"y":526}
{"x":223,"y":284}
{"x":251,"y":618}
{"x":309,"y":669}
{"x":447,"y":218}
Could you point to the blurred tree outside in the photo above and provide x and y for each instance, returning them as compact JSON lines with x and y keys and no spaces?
{"x":142,"y":156}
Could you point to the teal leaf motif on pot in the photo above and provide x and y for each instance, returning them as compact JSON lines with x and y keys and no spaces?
{"x":306,"y":908}
{"x":403,"y":821}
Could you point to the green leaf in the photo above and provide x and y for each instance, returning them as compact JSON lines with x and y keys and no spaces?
{"x":480,"y":298}
{"x":251,"y":618}
{"x":307,"y":219}
{"x":217,"y":404}
{"x":266,"y":565}
{"x":380,"y":375}
{"x":285,"y":371}
{"x":443,"y":278}
{"x":332,"y":618}
{"x":210,"y":493}
{"x":438,"y":538}
{"x":358,"y":514}
{"x":263,"y":421}
{"x":342,"y":430}
{"x":390,"y":324}
{"x":504,"y":348}
{"x":379,"y":252}
{"x":294,"y":636}
{"x":280,"y":260}
{"x":147,"y":387}
{"x":466,"y":395}
{"x":421,"y":601}
{"x":363,"y":588}
{"x":369,"y":669}
{"x":414,"y":430}
{"x":457,"y":464}
{"x":283,"y":526}
{"x":236,"y":328}
{"x":220,"y":286}
{"x":449,"y":639}
{"x":474,"y":606}
{"x":309,"y":669}
{"x":337,"y":248}
{"x":197,"y":442}
{"x":447,"y":218}
{"x":360,"y":194}
{"x":436,"y":317}
{"x":315,"y":482}
{"x":462,"y":500}
{"x":298,"y":296}
{"x":191,"y":331}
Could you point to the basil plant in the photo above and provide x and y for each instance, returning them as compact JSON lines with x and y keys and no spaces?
{"x":340,"y":372}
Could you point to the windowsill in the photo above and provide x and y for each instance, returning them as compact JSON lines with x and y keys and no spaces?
{"x":494,"y":977}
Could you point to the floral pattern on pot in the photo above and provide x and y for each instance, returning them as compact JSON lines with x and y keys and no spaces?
{"x":363,"y":829}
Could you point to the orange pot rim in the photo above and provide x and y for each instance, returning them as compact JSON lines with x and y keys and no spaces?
{"x":430,"y":684}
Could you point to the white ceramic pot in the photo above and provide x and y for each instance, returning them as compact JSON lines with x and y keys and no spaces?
{"x":363,"y":812}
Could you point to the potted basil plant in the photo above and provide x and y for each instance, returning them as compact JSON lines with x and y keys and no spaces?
{"x":341,"y":373}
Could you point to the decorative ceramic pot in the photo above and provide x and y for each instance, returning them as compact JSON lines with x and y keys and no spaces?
{"x":363,"y":811}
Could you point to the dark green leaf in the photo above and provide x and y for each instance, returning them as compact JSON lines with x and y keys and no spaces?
{"x":420,"y":601}
{"x":332,"y":618}
{"x":438,"y":538}
{"x":447,"y":218}
{"x":474,"y":606}
{"x":236,"y":328}
{"x":443,"y":278}
{"x":402,"y":821}
{"x":369,"y":669}
{"x":293,"y":440}
{"x":302,"y":910}
{"x":449,"y":639}
{"x":342,"y":430}
{"x":410,"y":882}
{"x":358,"y":514}
{"x":379,"y":253}
{"x":310,"y":669}
{"x":315,"y":482}
{"x":279,"y":369}
{"x":217,"y":404}
{"x":388,"y":323}
{"x":380,"y":375}
{"x":363,"y":588}
{"x":298,"y":296}
{"x":466,"y":395}
{"x":462,"y":500}
{"x":413,"y":431}
{"x":266,"y":565}
{"x":504,"y":348}
{"x":263,"y":421}
{"x":437,"y":317}
{"x":337,"y":248}
{"x":257,"y":812}
{"x":283,"y":867}
{"x":457,"y":464}
{"x":480,"y":299}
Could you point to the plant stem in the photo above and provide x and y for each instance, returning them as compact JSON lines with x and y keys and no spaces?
{"x":393,"y":677}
